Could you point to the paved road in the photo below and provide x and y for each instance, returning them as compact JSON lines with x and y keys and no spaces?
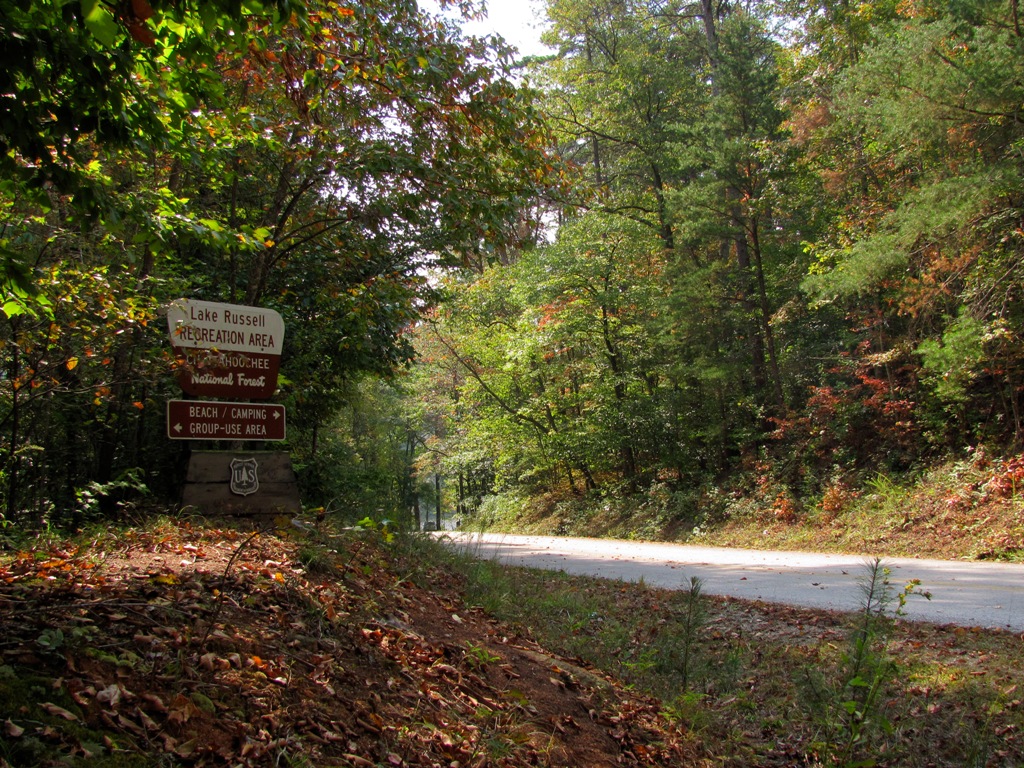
{"x":967,"y":594}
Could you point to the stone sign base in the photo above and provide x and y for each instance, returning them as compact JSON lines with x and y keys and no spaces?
{"x":241,"y":484}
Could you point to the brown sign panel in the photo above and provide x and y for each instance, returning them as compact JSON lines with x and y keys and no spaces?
{"x":244,"y":375}
{"x":207,"y":420}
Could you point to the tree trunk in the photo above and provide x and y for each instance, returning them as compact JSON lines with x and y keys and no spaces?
{"x":707,"y":15}
{"x":571,"y":478}
{"x":668,"y":240}
{"x":437,"y":493}
{"x":615,"y":363}
{"x":15,"y":418}
{"x":766,"y":326}
{"x":751,"y":311}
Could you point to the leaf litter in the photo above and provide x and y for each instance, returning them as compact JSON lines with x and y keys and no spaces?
{"x":213,"y":646}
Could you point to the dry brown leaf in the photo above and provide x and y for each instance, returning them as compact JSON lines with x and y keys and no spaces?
{"x":56,"y":711}
{"x":155,"y":702}
{"x":131,"y":725}
{"x":12,"y":730}
{"x":110,"y":695}
{"x":187,"y":749}
{"x":358,"y":761}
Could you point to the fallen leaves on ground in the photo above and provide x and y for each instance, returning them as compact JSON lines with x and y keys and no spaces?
{"x":213,"y":646}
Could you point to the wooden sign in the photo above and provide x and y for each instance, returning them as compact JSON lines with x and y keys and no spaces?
{"x":209,"y":420}
{"x":235,"y":375}
{"x":226,"y":350}
{"x":225,"y":327}
{"x":256,"y":483}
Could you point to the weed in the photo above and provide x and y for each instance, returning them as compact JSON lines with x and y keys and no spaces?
{"x":98,"y":499}
{"x":849,"y":709}
{"x":316,"y":559}
{"x":886,"y":491}
{"x":384,"y":528}
{"x":479,"y":657}
{"x":690,"y":708}
{"x":51,"y":640}
{"x":641,"y":660}
{"x":690,"y":624}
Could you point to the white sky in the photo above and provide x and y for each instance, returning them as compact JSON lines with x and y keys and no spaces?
{"x":518,"y":21}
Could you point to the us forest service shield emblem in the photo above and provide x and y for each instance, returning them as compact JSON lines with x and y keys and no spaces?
{"x":244,"y":479}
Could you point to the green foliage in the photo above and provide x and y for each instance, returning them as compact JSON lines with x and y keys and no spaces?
{"x":691,"y":623}
{"x":953,"y":363}
{"x":352,"y":459}
{"x":687,"y":244}
{"x":478,"y":657}
{"x":51,"y":640}
{"x":98,"y":498}
{"x":82,"y":71}
{"x":501,"y":511}
{"x":645,"y":345}
{"x":937,"y":212}
{"x":383,"y":528}
{"x":317,"y":559}
{"x":929,"y":197}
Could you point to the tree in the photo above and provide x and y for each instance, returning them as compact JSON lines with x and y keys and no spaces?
{"x":731,"y":206}
{"x":624,"y":79}
{"x":935,"y":98}
{"x":320,"y":168}
{"x":79,"y":75}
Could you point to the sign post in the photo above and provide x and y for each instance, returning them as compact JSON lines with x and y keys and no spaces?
{"x":230,"y":351}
